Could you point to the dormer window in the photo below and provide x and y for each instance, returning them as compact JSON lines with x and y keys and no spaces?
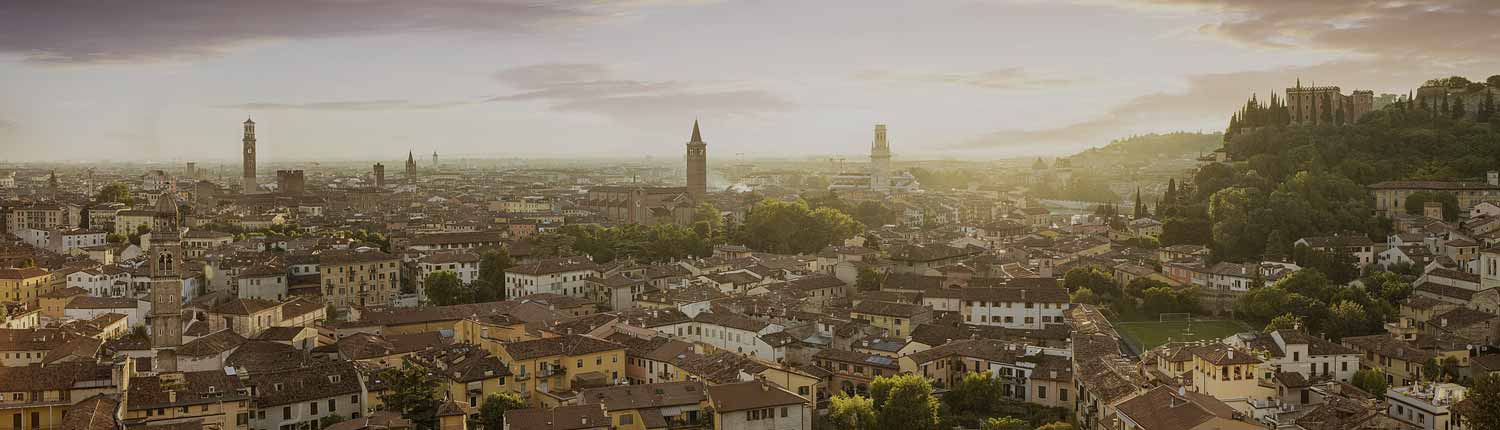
{"x":277,"y":386}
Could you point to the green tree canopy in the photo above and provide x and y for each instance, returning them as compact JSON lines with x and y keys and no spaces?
{"x":853,"y":413}
{"x":414,"y":393}
{"x":443,"y":288}
{"x":490,"y":286}
{"x":904,"y":402}
{"x":492,"y":413}
{"x":115,"y":192}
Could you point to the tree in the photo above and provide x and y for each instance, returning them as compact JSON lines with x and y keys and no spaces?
{"x":490,"y":286}
{"x":852,"y":413}
{"x":1060,"y":425}
{"x":115,"y":192}
{"x":1284,"y":322}
{"x":708,"y":223}
{"x":1371,"y":380}
{"x":413,"y":392}
{"x":1459,"y":108}
{"x":978,"y":393}
{"x":904,"y":402}
{"x":1345,"y":318}
{"x":1093,"y":279}
{"x":492,"y":413}
{"x":1481,"y":408}
{"x":794,"y":228}
{"x":868,"y":279}
{"x":443,"y":288}
{"x":1084,"y":296}
{"x":1004,"y":423}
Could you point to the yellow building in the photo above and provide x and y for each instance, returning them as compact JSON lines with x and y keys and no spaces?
{"x":354,"y":278}
{"x":216,"y":399}
{"x":1228,"y":373}
{"x":470,"y":375}
{"x":36,"y":396}
{"x":1390,"y":196}
{"x":898,"y":319}
{"x":546,"y":371}
{"x":1402,"y":361}
{"x":53,"y":303}
{"x":24,"y":285}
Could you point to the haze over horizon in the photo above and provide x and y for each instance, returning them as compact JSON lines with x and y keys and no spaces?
{"x":372,"y":79}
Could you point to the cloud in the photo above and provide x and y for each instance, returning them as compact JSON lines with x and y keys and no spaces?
{"x":1008,"y":78}
{"x":81,"y":31}
{"x":1207,"y":101}
{"x":1450,"y":30}
{"x":594,"y":88}
{"x":346,"y":106}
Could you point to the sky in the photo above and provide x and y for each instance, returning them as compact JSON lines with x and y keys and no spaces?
{"x":171,"y":80}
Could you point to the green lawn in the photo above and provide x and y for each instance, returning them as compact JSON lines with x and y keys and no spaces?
{"x":1144,"y":335}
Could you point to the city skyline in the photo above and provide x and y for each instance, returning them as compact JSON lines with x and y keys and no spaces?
{"x":539,"y":80}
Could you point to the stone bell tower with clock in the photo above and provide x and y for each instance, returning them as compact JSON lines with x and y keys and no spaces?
{"x":248,"y":181}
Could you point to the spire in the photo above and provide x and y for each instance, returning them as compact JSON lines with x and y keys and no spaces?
{"x":697,"y":137}
{"x":409,"y":158}
{"x":248,"y":120}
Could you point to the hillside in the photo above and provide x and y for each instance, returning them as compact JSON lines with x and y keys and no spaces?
{"x":1152,"y":147}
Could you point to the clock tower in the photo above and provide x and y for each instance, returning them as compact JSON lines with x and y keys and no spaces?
{"x":248,"y":180}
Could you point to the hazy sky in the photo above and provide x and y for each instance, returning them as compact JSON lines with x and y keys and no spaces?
{"x":371,"y":79}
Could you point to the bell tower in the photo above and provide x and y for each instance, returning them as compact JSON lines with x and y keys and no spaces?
{"x":247,"y":181}
{"x":697,"y":165}
{"x":165,"y":264}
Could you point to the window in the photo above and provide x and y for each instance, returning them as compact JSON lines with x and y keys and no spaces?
{"x":580,"y":363}
{"x":1062,"y":394}
{"x":312,"y":408}
{"x":286,"y":412}
{"x":627,"y":419}
{"x":353,"y":400}
{"x":783,"y":411}
{"x":1041,"y":392}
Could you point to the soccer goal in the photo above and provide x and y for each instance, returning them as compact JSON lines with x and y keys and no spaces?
{"x":1175,"y":317}
{"x":1178,"y":317}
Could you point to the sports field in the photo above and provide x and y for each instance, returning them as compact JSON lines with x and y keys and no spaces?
{"x":1144,"y":335}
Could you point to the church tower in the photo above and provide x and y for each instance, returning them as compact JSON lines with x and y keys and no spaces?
{"x":165,"y":263}
{"x":411,"y":166}
{"x":247,"y":182}
{"x":697,"y":165}
{"x":880,"y":160}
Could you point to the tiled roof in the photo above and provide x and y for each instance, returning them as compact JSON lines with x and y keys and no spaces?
{"x":569,"y":345}
{"x":750,"y":395}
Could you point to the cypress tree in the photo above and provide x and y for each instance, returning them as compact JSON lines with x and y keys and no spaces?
{"x":1444,"y":108}
{"x":1139,"y":205}
{"x":1459,"y":109}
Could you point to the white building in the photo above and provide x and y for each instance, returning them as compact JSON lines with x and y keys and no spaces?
{"x":265,"y":282}
{"x":732,"y":332}
{"x":464,"y":265}
{"x":1428,"y":406}
{"x":567,"y":276}
{"x":758,"y":405}
{"x":103,"y":281}
{"x":1030,"y":308}
{"x":1292,"y":351}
